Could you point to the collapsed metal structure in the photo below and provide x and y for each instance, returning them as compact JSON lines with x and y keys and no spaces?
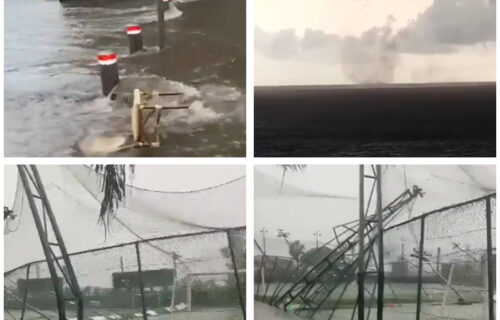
{"x":323,"y":286}
{"x":46,"y":223}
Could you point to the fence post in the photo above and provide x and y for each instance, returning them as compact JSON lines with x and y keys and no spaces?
{"x":141,"y":283}
{"x":361,"y":240}
{"x":235,"y":268}
{"x":380,"y":234}
{"x":489,"y":254}
{"x":420,"y":263}
{"x":26,"y":288}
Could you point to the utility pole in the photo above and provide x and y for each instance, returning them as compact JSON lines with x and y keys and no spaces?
{"x":317,"y":234}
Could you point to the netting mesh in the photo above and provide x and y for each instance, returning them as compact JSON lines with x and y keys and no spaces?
{"x":75,"y":196}
{"x":453,"y":263}
{"x":189,"y":273}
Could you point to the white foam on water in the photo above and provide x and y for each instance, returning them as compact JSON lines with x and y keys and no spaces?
{"x":187,"y":90}
{"x":199,"y":114}
{"x":92,"y":146}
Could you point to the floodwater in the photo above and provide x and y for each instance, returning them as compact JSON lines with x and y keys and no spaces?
{"x":53,"y":100}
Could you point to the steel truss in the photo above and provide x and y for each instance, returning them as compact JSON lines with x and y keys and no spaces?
{"x":47,"y":227}
{"x":337,"y":270}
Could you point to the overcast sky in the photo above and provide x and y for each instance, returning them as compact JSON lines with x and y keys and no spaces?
{"x":374,"y":41}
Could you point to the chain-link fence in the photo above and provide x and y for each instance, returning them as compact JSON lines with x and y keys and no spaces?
{"x":196,"y":276}
{"x":439,"y":265}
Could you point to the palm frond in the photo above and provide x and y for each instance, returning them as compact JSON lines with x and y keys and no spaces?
{"x":113,"y":179}
{"x":290,"y":167}
{"x":293,"y":167}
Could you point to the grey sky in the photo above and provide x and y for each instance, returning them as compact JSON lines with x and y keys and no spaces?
{"x":158,"y":177}
{"x":146,"y":213}
{"x":302,"y":215}
{"x":373,"y":41}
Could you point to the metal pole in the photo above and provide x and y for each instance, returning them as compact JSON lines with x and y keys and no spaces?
{"x":141,"y":283}
{"x":263,"y":270}
{"x":235,"y":268}
{"x":172,"y":300}
{"x":161,"y":24}
{"x":44,"y":242}
{"x":380,"y":227}
{"x":489,"y":252}
{"x":264,"y":240}
{"x":438,"y":260}
{"x":62,"y":247}
{"x":361,"y":235}
{"x":25,"y":298}
{"x":420,"y":263}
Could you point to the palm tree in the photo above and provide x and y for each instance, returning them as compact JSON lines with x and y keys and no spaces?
{"x":113,"y":179}
{"x":290,"y":167}
{"x":296,"y":250}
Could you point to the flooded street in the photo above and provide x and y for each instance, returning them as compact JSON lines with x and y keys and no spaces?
{"x":53,"y":100}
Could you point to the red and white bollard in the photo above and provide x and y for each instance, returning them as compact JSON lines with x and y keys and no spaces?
{"x":109,"y":71}
{"x":134,"y":33}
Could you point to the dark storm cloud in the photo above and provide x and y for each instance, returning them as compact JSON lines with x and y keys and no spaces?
{"x":448,"y":23}
{"x":372,"y":57}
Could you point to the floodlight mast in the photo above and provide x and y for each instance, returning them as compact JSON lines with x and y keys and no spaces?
{"x":66,"y":268}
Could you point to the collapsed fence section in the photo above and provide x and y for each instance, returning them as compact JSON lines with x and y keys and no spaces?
{"x":201,"y":273}
{"x":438,"y":265}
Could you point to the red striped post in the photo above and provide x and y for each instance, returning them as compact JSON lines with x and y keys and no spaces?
{"x":134,"y":33}
{"x":109,"y":71}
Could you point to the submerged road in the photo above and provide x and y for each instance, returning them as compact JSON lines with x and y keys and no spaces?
{"x":53,"y":102}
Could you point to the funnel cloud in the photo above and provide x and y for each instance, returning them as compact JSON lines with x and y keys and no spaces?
{"x":445,"y":40}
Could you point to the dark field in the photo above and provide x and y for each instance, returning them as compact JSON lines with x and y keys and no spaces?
{"x":434,"y":120}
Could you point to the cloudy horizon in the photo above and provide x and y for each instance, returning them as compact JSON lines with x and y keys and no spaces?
{"x":374,"y":41}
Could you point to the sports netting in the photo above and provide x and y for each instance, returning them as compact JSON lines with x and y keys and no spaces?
{"x":152,"y":263}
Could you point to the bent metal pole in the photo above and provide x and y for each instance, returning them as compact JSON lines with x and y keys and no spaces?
{"x":109,"y":71}
{"x":134,"y":33}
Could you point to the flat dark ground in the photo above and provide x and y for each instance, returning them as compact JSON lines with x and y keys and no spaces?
{"x":449,"y":119}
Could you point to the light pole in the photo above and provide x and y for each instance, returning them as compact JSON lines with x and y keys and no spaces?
{"x":264,"y":231}
{"x":317,"y":234}
{"x":284,"y":235}
{"x":262,"y":270}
